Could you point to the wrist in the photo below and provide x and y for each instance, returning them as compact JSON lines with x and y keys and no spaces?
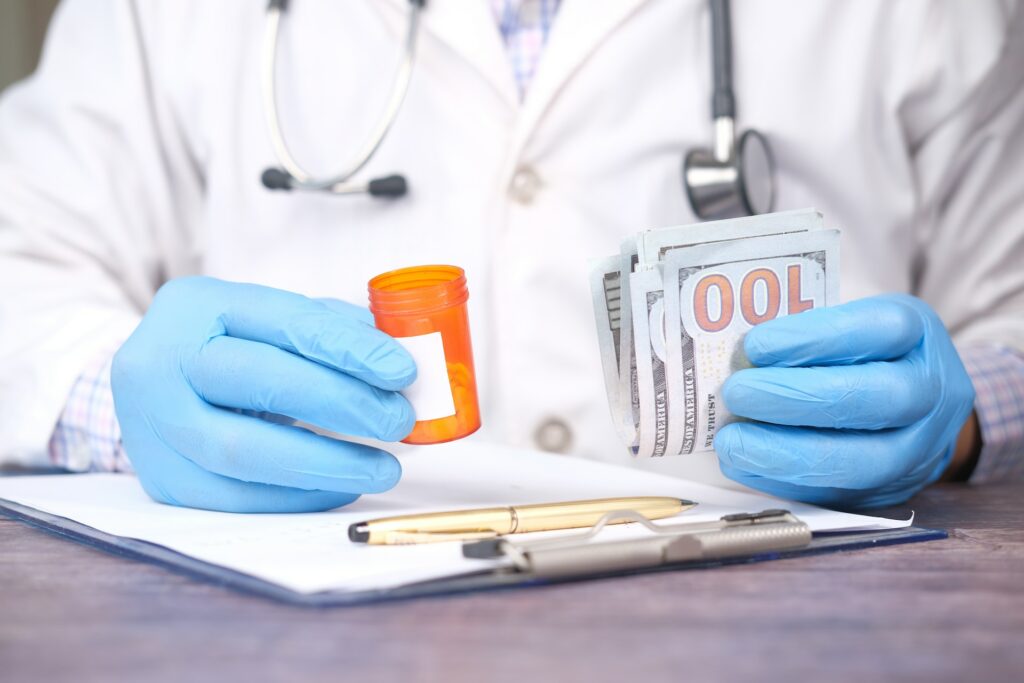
{"x":965,"y":452}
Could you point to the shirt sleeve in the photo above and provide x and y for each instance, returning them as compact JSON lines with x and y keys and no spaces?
{"x":998,"y":376}
{"x":87,"y":437}
{"x":963,"y":120}
{"x":964,"y":126}
{"x":95,"y":178}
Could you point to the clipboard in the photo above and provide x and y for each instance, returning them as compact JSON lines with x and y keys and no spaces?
{"x":820,"y":543}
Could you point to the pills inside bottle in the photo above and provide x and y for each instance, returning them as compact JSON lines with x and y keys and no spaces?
{"x":425,"y":309}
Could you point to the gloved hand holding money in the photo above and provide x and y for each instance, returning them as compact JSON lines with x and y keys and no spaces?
{"x":673,"y":308}
{"x":858,"y":405}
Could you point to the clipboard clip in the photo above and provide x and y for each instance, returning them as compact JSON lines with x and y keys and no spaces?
{"x":735,"y":535}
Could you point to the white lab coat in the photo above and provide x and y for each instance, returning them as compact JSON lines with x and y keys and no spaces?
{"x":134,"y":156}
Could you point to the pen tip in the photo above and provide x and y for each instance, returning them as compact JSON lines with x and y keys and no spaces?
{"x":358,"y":533}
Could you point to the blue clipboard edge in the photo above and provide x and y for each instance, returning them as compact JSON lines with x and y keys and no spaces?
{"x":487,"y":580}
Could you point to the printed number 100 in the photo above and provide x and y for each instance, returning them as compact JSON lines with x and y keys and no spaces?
{"x":747,"y":305}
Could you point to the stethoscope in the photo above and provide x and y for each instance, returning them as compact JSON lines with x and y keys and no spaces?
{"x":291,"y":176}
{"x":732,"y":178}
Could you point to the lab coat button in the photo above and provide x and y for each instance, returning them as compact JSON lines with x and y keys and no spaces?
{"x":553,"y":435}
{"x":525,"y":185}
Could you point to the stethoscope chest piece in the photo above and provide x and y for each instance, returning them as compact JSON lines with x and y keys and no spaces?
{"x":738,"y":185}
{"x":732,"y":178}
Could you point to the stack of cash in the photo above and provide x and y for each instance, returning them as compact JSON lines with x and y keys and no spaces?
{"x":673,"y":307}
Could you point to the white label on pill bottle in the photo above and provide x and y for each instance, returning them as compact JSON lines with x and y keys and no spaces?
{"x":431,"y":393}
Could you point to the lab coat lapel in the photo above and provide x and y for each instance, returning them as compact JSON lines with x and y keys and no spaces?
{"x":469,"y":28}
{"x":578,"y":30}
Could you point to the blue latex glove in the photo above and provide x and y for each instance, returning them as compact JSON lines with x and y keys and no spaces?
{"x":207,"y":350}
{"x":858,"y":405}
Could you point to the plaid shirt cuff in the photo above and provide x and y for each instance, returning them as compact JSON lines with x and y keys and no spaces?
{"x":998,"y":376}
{"x":87,"y":437}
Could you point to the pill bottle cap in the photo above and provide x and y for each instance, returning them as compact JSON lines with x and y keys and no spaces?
{"x":418,"y":289}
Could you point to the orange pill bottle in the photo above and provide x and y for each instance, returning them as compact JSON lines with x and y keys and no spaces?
{"x":424,"y":307}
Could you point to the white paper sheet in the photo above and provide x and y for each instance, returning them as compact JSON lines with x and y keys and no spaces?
{"x":309,"y":553}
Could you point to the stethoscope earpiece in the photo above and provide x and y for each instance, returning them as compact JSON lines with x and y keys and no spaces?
{"x":276,"y":179}
{"x":386,"y":187}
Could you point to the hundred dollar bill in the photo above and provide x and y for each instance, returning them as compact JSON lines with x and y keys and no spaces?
{"x":714,"y":294}
{"x":606,"y":291}
{"x":645,"y":252}
{"x":653,"y":245}
{"x":629,"y":391}
{"x":647,"y":418}
{"x":648,"y":309}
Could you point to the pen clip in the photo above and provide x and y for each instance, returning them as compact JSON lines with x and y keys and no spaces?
{"x":606,"y":519}
{"x":497,"y":546}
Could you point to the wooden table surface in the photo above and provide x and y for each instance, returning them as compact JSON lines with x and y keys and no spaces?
{"x":949,"y":610}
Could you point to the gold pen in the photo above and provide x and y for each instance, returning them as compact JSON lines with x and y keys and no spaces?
{"x":516,"y":519}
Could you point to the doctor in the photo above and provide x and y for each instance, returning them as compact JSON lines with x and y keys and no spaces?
{"x":533,"y":135}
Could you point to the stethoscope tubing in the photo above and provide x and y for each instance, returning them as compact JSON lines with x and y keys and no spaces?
{"x":301,"y":179}
{"x":714,"y":180}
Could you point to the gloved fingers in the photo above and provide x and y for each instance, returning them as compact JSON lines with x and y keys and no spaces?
{"x":815,"y":495}
{"x":809,"y":456}
{"x":309,"y":328}
{"x":361,"y":313}
{"x":237,"y":373}
{"x":846,"y":499}
{"x":877,"y":328}
{"x":874,"y":395}
{"x":254,"y":450}
{"x":182,"y":482}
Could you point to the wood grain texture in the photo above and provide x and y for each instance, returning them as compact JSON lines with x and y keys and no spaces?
{"x":948,"y":610}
